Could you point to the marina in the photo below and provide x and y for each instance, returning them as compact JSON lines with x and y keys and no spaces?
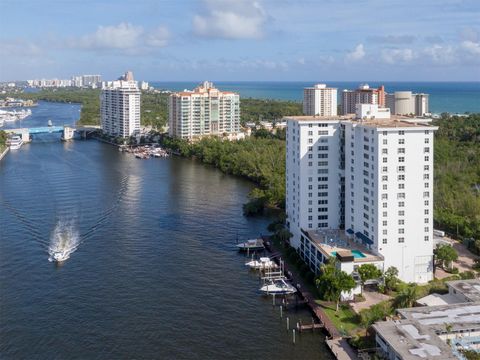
{"x":145,"y":152}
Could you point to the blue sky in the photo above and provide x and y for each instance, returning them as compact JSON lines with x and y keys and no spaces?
{"x":181,"y":40}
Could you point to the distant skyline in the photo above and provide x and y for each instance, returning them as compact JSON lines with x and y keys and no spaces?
{"x":249,"y":40}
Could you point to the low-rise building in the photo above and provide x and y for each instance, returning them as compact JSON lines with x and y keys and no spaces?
{"x":434,"y":332}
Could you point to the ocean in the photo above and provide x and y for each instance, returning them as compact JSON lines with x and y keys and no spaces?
{"x":452,"y":97}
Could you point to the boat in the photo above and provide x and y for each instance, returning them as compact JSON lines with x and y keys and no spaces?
{"x":251,"y":245}
{"x":278,"y":287}
{"x":50,"y":123}
{"x":264,"y":263}
{"x":60,"y":256}
{"x":15,"y":142}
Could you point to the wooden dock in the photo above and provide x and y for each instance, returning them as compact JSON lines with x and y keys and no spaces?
{"x":305,"y":327}
{"x":336,"y":343}
{"x":306,"y":295}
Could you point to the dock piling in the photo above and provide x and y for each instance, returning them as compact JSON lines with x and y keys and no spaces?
{"x":288,"y":323}
{"x":293,"y":331}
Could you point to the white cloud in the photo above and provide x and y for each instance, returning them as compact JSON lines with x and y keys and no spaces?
{"x":393,"y":56}
{"x":123,"y":37}
{"x":158,"y":37}
{"x":20,"y":47}
{"x":230,"y":19}
{"x":441,"y":54}
{"x":471,"y":47}
{"x":357,"y":54}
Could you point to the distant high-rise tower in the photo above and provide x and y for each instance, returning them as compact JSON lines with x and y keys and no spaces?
{"x":120,"y":107}
{"x":320,"y":100}
{"x":407,"y":103}
{"x":203,"y":111}
{"x":363,"y":95}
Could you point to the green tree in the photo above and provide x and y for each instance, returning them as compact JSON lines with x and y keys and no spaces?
{"x":445,"y":254}
{"x":333,"y":281}
{"x":375,"y":313}
{"x":391,"y":278}
{"x":406,"y":297}
{"x":368,"y":272}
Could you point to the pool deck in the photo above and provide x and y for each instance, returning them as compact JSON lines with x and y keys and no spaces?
{"x":333,"y":241}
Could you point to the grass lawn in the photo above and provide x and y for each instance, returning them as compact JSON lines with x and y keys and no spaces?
{"x":345,"y":319}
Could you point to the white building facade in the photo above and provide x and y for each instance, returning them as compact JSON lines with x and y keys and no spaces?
{"x":369,"y":176}
{"x":120,"y":108}
{"x":407,"y":103}
{"x":205,"y":111}
{"x":320,"y":100}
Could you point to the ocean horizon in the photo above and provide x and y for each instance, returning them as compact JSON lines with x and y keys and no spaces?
{"x":445,"y":96}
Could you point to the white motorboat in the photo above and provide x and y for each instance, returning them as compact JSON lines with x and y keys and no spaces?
{"x":15,"y":142}
{"x":278,"y":287}
{"x":264,"y":263}
{"x":60,"y":256}
{"x":251,"y":245}
{"x":50,"y":123}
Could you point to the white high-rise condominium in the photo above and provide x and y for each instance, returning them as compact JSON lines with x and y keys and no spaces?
{"x":360,"y":188}
{"x":320,"y":100}
{"x":202,"y":112}
{"x":120,"y":108}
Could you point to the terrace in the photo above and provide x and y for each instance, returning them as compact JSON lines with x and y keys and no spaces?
{"x":335,"y":243}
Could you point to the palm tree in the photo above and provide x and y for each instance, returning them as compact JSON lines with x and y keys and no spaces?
{"x":406,"y":297}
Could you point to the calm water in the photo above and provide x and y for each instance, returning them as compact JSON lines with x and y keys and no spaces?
{"x":453,"y":97}
{"x":155,"y":274}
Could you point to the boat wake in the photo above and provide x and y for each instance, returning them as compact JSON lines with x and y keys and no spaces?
{"x":63,"y":241}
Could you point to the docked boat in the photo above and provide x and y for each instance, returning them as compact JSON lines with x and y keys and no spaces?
{"x":251,"y":245}
{"x":278,"y":287}
{"x":15,"y":142}
{"x":264,"y":263}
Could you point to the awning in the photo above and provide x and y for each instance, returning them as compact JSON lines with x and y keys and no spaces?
{"x":364,"y":238}
{"x":350,"y":231}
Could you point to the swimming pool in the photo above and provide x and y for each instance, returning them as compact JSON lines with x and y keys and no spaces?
{"x":357,"y":254}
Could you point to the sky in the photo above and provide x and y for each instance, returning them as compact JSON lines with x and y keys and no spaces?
{"x":242,"y":40}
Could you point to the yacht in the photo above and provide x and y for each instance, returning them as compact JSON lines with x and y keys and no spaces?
{"x":23,"y":114}
{"x":278,"y":287}
{"x":15,"y":142}
{"x":251,"y":245}
{"x":264,"y":263}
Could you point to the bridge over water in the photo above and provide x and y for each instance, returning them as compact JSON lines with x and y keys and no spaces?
{"x":66,"y":131}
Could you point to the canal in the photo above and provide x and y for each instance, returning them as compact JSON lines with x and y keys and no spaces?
{"x":154,"y":273}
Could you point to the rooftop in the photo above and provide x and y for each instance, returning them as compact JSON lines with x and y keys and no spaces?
{"x":468,"y":288}
{"x":459,"y":316}
{"x":336,"y":242}
{"x":395,"y":121}
{"x":413,"y":342}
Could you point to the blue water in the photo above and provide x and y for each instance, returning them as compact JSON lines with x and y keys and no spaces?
{"x":60,"y":114}
{"x":357,"y":254}
{"x":453,"y":97}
